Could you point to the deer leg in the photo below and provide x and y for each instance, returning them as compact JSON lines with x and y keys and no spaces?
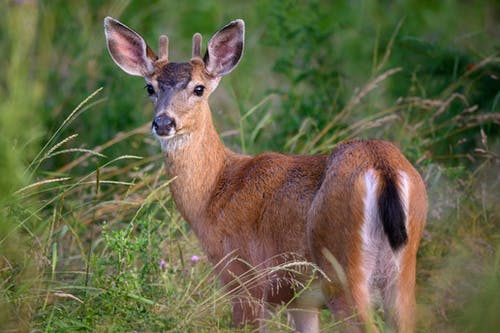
{"x":352,"y":311}
{"x":247,"y":303}
{"x":304,"y":320}
{"x":399,"y":296}
{"x":247,"y":311}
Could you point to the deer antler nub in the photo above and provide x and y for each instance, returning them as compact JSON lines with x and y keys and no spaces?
{"x":197,"y":45}
{"x":163,"y":49}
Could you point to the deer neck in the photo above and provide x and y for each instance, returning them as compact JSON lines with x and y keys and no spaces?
{"x":195,"y":168}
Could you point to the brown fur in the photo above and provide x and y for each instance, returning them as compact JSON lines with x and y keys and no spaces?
{"x":258,"y":212}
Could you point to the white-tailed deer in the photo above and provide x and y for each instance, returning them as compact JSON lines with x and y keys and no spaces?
{"x":358,"y":213}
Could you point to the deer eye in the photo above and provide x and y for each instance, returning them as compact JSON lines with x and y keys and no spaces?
{"x":198,"y":90}
{"x":150,"y":89}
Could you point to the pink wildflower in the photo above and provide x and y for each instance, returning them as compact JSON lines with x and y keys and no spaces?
{"x":163,"y":264}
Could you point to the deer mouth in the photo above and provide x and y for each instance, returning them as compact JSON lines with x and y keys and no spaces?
{"x":164,"y":134}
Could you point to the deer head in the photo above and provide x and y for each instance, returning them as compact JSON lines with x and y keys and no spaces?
{"x":179,"y":90}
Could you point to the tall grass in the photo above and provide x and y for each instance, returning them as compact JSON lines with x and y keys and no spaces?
{"x":90,"y":239}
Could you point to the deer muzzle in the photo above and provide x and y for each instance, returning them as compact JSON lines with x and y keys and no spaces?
{"x":163,"y":126}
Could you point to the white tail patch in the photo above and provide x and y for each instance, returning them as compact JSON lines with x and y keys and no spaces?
{"x":404,"y":190}
{"x":371,"y":230}
{"x":380,"y":264}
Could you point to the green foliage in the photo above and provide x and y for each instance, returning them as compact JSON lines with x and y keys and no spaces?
{"x":304,"y":33}
{"x":324,"y":60}
{"x":120,"y":290}
{"x":89,"y":237}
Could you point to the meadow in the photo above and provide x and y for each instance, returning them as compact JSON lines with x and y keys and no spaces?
{"x":90,"y":239}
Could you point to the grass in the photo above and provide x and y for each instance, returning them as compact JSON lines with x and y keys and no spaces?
{"x":90,"y":239}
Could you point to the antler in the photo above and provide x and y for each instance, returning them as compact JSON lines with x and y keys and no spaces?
{"x":197,"y":45}
{"x":163,"y":49}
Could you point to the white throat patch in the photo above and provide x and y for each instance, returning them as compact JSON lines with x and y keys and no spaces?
{"x":170,"y":144}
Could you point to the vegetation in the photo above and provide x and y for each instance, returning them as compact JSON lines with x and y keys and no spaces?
{"x":89,"y":237}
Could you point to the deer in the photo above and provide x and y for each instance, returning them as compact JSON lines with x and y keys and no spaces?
{"x":356,"y":214}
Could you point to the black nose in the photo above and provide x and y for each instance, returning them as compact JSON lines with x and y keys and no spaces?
{"x":162,"y":125}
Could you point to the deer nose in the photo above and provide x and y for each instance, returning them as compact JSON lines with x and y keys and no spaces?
{"x":163,"y":125}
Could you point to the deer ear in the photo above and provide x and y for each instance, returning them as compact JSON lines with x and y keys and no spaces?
{"x":128,"y":49}
{"x":225,"y":49}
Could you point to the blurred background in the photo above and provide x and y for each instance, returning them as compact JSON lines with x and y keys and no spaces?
{"x":89,"y":238}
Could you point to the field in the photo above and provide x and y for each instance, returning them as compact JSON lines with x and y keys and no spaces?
{"x":90,"y":239}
